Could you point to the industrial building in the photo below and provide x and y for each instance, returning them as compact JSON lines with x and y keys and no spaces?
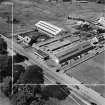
{"x":62,"y":51}
{"x":42,"y":31}
{"x":47,"y":28}
{"x":28,"y":38}
{"x":50,"y":42}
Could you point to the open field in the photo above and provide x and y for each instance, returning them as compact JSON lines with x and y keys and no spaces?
{"x":91,"y":71}
{"x":98,"y":88}
{"x":5,"y":13}
{"x":30,"y":12}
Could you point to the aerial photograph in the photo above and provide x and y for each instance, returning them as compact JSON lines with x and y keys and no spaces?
{"x":52,"y":52}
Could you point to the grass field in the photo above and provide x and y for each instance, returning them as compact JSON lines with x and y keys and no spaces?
{"x":30,"y":12}
{"x":91,"y":71}
{"x":5,"y":27}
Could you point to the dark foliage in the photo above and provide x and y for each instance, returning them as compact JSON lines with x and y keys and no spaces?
{"x":3,"y":46}
{"x":38,"y":95}
{"x":92,"y":103}
{"x":3,"y":1}
{"x":19,"y":58}
{"x":99,"y":31}
{"x":17,"y":71}
{"x":7,"y":87}
{"x":100,"y":1}
{"x":56,"y":91}
{"x":4,"y":73}
{"x":33,"y":75}
{"x":10,"y":63}
{"x":84,"y":27}
{"x":26,"y":95}
{"x":4,"y":70}
{"x":14,"y":21}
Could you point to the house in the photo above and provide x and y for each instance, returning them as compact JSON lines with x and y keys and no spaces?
{"x":28,"y":38}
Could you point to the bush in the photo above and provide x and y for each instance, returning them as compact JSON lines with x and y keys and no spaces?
{"x":56,"y":91}
{"x":19,"y":58}
{"x":33,"y":75}
{"x":17,"y":71}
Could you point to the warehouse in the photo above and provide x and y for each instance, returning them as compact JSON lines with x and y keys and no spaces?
{"x":47,"y":28}
{"x":63,"y":51}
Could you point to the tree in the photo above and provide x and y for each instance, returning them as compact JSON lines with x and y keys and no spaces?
{"x":4,"y":0}
{"x":33,"y":75}
{"x":17,"y":71}
{"x":27,"y":95}
{"x":3,"y":46}
{"x":19,"y":58}
{"x":3,"y":59}
{"x":100,"y":1}
{"x":6,"y":87}
{"x":34,"y":102}
{"x":40,"y":95}
{"x":56,"y":91}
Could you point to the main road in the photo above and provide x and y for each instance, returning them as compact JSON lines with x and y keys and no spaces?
{"x":76,"y":86}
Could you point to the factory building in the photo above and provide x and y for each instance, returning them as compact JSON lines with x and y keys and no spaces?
{"x":49,"y":29}
{"x":63,"y":50}
{"x":42,"y":31}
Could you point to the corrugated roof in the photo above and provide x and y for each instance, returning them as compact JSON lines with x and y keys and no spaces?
{"x":49,"y":28}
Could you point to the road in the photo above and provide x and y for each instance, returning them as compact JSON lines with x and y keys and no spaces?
{"x":60,"y":77}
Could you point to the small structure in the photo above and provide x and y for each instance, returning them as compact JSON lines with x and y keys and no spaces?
{"x":102,"y":21}
{"x":94,"y":40}
{"x":28,"y":38}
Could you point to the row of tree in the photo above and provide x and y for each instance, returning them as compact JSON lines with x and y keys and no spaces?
{"x":39,"y":94}
{"x":27,"y":94}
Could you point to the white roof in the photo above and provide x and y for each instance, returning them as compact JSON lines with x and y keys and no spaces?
{"x":48,"y":28}
{"x":102,"y":21}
